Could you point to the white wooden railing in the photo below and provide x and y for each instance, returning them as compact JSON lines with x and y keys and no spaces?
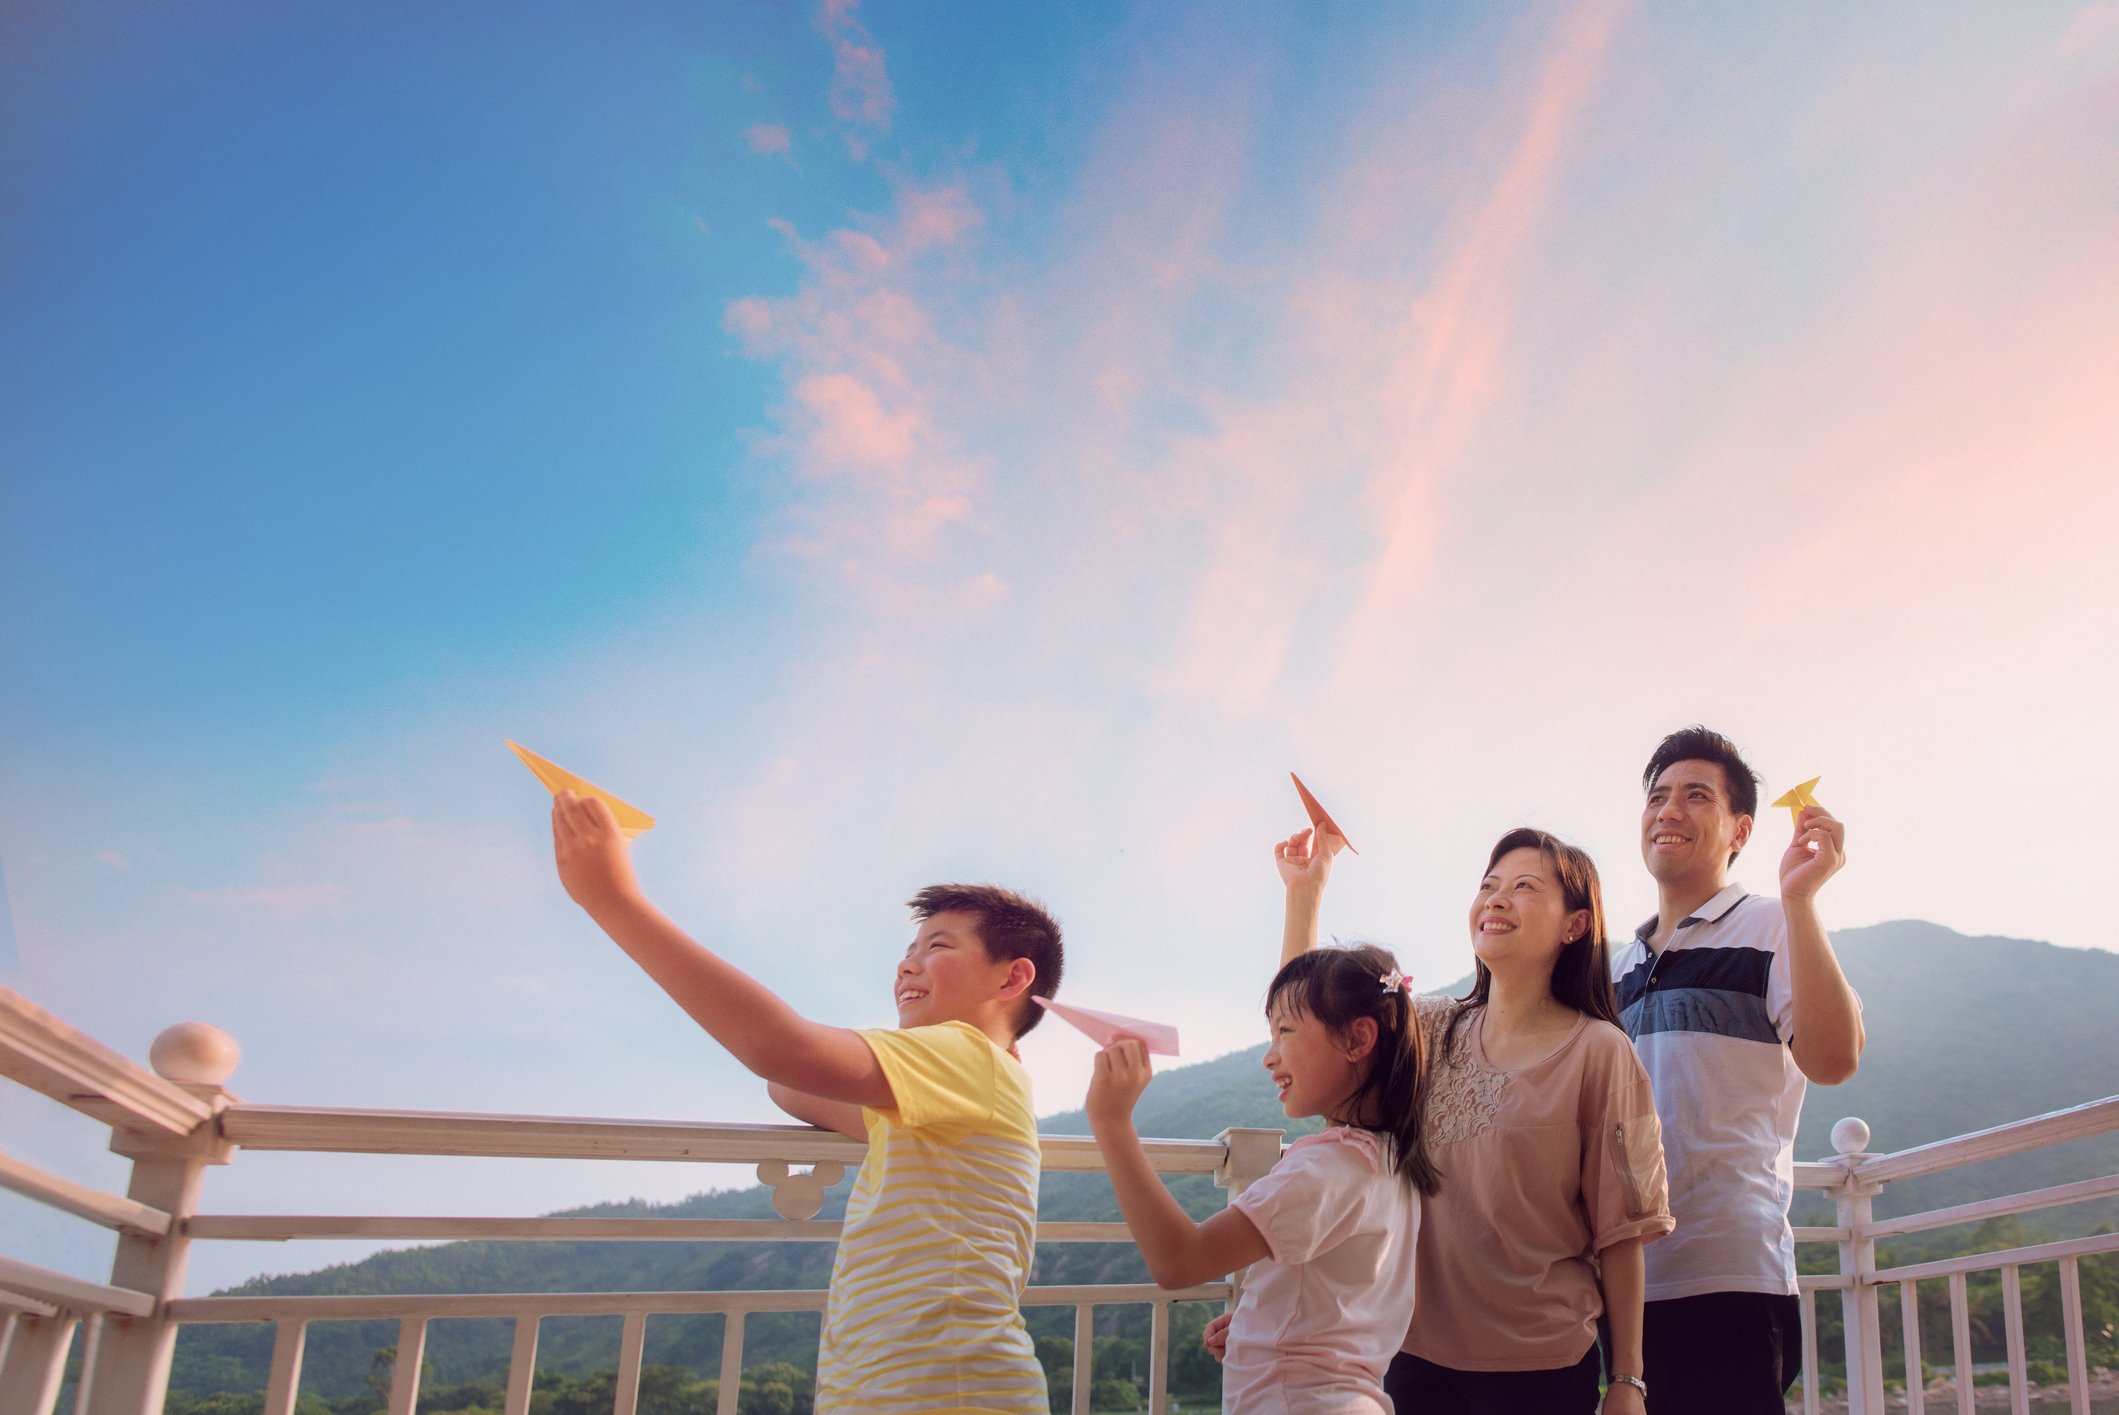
{"x":177,"y":1120}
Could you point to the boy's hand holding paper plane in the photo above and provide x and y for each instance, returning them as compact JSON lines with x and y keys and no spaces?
{"x":631,"y":819}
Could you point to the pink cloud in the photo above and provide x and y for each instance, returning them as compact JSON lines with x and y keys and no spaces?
{"x":936,"y":216}
{"x":863,"y":362}
{"x":766,"y":139}
{"x":860,"y":85}
{"x":851,"y":426}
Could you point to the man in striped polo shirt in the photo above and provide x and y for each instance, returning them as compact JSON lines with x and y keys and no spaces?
{"x":1734,"y":1001}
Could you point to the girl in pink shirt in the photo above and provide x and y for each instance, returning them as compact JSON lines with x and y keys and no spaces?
{"x":1328,"y":1234}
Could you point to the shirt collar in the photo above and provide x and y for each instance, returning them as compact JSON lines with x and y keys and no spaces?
{"x":1712,"y":912}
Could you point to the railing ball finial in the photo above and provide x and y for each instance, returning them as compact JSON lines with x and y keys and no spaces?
{"x":1851,"y":1136}
{"x":194,"y":1054}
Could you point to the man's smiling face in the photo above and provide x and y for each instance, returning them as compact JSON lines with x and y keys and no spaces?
{"x":1688,"y":828}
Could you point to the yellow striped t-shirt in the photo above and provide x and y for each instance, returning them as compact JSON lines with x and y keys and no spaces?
{"x":925,"y":1309}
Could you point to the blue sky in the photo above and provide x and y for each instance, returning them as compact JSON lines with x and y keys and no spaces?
{"x":907,"y":441}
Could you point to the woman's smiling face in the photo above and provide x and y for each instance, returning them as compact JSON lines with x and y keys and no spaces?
{"x":1520,"y":912}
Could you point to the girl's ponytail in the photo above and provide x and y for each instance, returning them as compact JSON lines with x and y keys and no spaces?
{"x":1337,"y":986}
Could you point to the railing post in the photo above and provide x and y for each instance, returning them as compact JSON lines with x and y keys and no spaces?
{"x":131,"y":1374}
{"x":35,"y":1362}
{"x":1860,"y":1315}
{"x":1247,"y":1153}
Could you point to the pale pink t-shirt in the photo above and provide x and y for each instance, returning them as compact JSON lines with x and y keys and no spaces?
{"x":1542,"y":1169}
{"x":1321,"y":1317}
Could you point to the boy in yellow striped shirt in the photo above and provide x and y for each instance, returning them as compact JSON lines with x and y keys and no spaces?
{"x":924,"y":1310}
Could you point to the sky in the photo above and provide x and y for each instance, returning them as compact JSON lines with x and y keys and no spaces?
{"x":894,"y":442}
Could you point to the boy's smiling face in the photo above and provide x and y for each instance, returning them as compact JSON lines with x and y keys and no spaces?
{"x":946,"y":974}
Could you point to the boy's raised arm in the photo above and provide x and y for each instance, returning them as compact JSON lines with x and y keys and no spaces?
{"x":759,"y":1030}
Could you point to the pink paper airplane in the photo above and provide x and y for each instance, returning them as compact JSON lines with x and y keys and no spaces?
{"x":1104,"y":1028}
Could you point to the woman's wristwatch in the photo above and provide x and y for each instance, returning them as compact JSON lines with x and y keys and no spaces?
{"x":1635,"y":1381}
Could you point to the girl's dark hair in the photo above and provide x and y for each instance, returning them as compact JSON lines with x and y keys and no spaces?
{"x":1338,"y":986}
{"x":1581,"y":975}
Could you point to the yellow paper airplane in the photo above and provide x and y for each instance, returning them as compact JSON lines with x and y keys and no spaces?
{"x":1797,"y":797}
{"x":631,"y":819}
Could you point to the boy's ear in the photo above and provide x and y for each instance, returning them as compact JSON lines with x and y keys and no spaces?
{"x":1743,"y":834}
{"x":1021,"y":974}
{"x":1360,"y":1038}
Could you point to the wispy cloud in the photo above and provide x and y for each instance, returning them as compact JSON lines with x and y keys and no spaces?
{"x":861,"y":97}
{"x":767,"y":139}
{"x":278,"y":901}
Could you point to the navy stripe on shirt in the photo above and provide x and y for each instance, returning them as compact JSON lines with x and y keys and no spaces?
{"x":1721,"y":991}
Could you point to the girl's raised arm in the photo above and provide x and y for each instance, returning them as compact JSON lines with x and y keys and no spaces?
{"x":1304,"y":860}
{"x":1179,"y":1252}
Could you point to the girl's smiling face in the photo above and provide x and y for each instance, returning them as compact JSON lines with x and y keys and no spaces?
{"x":1314,"y":1068}
{"x":1520,"y":913}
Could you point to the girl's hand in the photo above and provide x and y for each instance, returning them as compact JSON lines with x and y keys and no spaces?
{"x":1304,"y":859}
{"x":1814,"y":855}
{"x":1216,"y":1337}
{"x":594,"y":862}
{"x":1122,"y":1073}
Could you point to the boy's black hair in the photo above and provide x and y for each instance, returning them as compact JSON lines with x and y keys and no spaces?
{"x":1700,"y":744}
{"x":1010,"y":926}
{"x":1337,"y":986}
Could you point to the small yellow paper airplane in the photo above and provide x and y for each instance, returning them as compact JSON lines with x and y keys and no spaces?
{"x":631,"y":819}
{"x":1319,"y":818}
{"x":1797,"y":797}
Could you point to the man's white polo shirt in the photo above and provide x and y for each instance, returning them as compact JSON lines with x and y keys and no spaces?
{"x":1711,"y":1017}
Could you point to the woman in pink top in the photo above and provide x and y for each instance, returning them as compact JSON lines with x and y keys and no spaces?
{"x":1328,"y":1234}
{"x":1540,"y":1119}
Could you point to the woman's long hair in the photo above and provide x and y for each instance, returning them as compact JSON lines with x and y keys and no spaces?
{"x":1581,"y":975}
{"x":1338,"y":986}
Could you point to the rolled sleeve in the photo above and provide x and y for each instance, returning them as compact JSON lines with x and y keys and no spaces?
{"x":1625,"y":1185}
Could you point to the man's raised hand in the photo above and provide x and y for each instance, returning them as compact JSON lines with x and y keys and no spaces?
{"x":1814,"y":855}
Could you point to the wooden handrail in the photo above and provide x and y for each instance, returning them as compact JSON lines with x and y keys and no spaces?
{"x":46,"y":1055}
{"x":2056,"y":1127}
{"x":604,"y":1304}
{"x":110,"y":1210}
{"x":318,"y":1129}
{"x":71,"y":1294}
{"x":280,"y":1228}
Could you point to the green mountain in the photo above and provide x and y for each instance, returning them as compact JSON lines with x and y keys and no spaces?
{"x":1963,"y":1033}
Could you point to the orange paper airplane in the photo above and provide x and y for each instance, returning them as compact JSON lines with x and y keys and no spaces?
{"x":1319,"y":817}
{"x":631,"y":819}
